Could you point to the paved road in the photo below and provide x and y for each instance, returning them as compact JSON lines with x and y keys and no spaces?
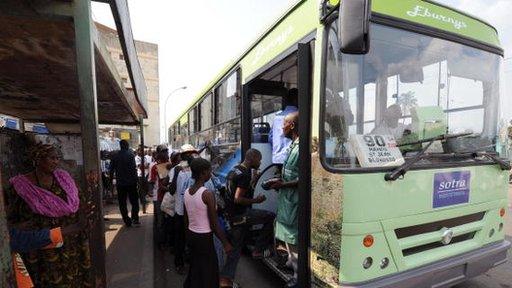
{"x":501,"y":276}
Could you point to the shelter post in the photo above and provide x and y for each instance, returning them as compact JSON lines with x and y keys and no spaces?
{"x":89,"y":127}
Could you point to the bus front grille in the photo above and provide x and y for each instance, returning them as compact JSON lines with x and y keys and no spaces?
{"x":437,"y":225}
{"x":421,"y":238}
{"x":425,"y":247}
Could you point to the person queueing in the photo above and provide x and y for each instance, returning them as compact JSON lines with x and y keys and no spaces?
{"x":240,"y":198}
{"x":183,"y":182}
{"x":142,"y":174}
{"x":288,"y":197}
{"x":201,"y":217}
{"x":123,"y":166}
{"x":159,"y":181}
{"x":45,"y":198}
{"x":168,"y":205}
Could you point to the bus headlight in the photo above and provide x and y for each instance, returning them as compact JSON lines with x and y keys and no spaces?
{"x":384,"y":263}
{"x":367,"y":263}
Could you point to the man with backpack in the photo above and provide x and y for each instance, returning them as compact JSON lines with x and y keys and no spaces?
{"x":241,"y":217}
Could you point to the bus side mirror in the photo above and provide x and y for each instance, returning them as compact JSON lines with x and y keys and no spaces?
{"x":354,"y":26}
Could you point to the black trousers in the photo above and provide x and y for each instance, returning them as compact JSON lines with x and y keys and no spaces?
{"x":179,"y":240}
{"x":142,"y":188}
{"x":204,"y":269}
{"x":130,"y":192}
{"x":168,"y":228}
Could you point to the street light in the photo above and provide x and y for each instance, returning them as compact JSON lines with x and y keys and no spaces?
{"x":165,"y":111}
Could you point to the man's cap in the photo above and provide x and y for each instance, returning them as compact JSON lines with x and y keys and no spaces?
{"x":188,"y":148}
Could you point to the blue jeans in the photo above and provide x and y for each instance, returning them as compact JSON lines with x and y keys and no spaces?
{"x":219,"y":249}
{"x":239,"y":232}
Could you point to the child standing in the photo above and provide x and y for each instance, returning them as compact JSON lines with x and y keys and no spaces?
{"x":201,"y":216}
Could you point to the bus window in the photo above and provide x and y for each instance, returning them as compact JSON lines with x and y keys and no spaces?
{"x":184,"y":129}
{"x":397,"y":86}
{"x":192,"y":119}
{"x":227,"y":99}
{"x":205,"y":110}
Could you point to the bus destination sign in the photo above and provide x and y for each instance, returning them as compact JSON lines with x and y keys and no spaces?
{"x":376,"y":150}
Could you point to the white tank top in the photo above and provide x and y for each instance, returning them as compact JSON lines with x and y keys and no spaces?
{"x":197,"y":212}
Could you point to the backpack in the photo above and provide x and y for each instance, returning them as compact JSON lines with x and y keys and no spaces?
{"x":228,"y":194}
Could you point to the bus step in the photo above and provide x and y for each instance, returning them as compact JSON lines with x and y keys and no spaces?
{"x":285,"y":274}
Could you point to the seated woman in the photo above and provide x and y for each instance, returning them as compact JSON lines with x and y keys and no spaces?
{"x":47,"y":198}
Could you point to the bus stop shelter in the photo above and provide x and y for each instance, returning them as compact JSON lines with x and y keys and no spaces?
{"x":55,"y":70}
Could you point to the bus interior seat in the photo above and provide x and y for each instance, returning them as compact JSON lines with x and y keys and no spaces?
{"x":260,"y":132}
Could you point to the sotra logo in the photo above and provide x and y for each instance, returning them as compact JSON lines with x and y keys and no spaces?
{"x":452,"y":185}
{"x":420,"y":11}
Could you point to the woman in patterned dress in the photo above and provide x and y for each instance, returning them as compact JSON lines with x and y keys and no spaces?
{"x":48,"y":197}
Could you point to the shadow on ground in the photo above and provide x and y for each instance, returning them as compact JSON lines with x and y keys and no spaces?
{"x":129,"y":251}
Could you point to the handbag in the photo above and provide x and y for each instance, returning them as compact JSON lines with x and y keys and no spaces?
{"x":167,"y":205}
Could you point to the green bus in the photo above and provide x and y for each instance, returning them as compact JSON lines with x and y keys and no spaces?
{"x":403,"y":178}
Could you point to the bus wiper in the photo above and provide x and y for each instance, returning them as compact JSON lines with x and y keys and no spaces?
{"x":504,"y":165}
{"x":402,"y":169}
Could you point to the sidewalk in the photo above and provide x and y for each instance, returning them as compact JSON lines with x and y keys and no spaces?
{"x":129,"y":250}
{"x":133,"y":263}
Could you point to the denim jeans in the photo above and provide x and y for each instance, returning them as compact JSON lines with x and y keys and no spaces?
{"x":239,"y":232}
{"x":219,"y":249}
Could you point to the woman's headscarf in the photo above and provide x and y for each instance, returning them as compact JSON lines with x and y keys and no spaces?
{"x":40,"y":151}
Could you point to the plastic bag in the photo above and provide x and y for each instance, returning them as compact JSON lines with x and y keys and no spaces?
{"x":167,"y":205}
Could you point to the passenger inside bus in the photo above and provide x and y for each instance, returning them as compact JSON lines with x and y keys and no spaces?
{"x":391,"y":125}
{"x":278,"y":140}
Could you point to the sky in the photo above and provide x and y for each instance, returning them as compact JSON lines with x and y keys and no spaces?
{"x":199,"y":38}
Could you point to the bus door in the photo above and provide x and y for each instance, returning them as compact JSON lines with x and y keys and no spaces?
{"x":267,"y":99}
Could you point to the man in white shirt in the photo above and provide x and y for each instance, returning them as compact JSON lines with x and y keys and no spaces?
{"x":142,"y":174}
{"x":279,"y":142}
{"x":391,"y":125}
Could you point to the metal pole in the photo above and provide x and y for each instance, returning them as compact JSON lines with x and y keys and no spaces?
{"x":304,"y":190}
{"x":144,"y":185}
{"x":165,"y":112}
{"x":89,"y":126}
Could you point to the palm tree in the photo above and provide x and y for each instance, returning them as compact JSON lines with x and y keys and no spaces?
{"x":407,"y":101}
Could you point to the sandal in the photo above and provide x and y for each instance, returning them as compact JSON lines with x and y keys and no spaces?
{"x":259,"y":255}
{"x":234,"y":285}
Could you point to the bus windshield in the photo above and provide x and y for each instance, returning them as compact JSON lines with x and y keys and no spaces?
{"x":410,"y":86}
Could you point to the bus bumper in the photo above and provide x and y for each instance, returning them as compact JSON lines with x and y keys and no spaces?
{"x":445,"y":273}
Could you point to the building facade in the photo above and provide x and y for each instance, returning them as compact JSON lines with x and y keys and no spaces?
{"x":148,"y":58}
